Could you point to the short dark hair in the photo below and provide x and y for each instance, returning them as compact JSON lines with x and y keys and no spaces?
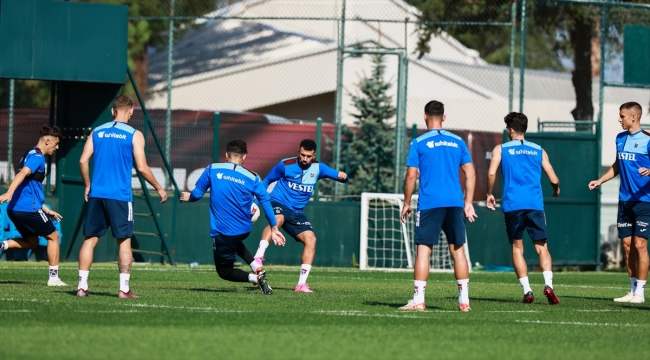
{"x":308,"y":144}
{"x":434,"y":108}
{"x":237,"y":147}
{"x":632,"y":105}
{"x":50,"y":131}
{"x":122,"y":101}
{"x":517,"y":122}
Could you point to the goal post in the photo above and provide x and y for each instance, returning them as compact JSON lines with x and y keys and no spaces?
{"x":388,"y":244}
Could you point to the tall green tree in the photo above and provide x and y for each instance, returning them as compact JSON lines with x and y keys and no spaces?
{"x":372,"y":133}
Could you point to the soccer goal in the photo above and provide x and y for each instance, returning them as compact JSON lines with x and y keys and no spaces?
{"x":387,"y":244}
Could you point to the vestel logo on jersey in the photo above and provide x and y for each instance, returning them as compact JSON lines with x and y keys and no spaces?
{"x":102,"y":134}
{"x":432,"y":144}
{"x":627,"y":156}
{"x":298,"y":187}
{"x":522,"y":152}
{"x":220,"y":176}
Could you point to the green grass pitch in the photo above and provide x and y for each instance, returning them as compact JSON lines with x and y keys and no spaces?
{"x":190,"y":313}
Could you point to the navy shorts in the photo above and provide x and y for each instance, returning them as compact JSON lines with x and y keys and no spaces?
{"x":633,"y":219}
{"x":428,"y":224}
{"x":224,"y":248}
{"x":294,"y":223}
{"x":534,"y":221}
{"x":32,"y":224}
{"x":102,"y":213}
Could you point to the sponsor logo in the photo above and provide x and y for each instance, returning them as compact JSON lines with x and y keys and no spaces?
{"x":305,"y":223}
{"x":641,"y":223}
{"x":299,"y":187}
{"x":623,"y":225}
{"x":619,"y":144}
{"x":627,"y":156}
{"x":221,"y":176}
{"x":297,"y":176}
{"x":303,"y":271}
{"x":432,"y":144}
{"x":102,"y":134}
{"x":278,"y":210}
{"x":523,"y":152}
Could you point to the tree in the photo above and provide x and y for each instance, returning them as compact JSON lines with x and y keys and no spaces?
{"x":372,"y":133}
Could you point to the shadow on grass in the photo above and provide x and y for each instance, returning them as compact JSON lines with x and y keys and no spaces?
{"x":397,"y":305}
{"x":12,"y":282}
{"x":212,"y":290}
{"x":93,"y":294}
{"x":586,"y":298}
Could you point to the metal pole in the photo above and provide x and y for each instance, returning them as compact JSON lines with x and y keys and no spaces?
{"x":339,"y":95}
{"x":522,"y":56}
{"x":48,"y":177}
{"x":400,"y":124}
{"x":215,"y":137}
{"x":513,"y":36}
{"x":347,"y":165}
{"x":168,"y":120}
{"x":414,"y":131}
{"x":599,"y":125}
{"x":10,"y":130}
{"x":319,"y":132}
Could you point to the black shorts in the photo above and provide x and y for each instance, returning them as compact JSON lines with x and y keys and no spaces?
{"x":633,"y":219}
{"x":32,"y":224}
{"x":294,"y":223}
{"x":534,"y":221}
{"x":224,"y":248}
{"x":102,"y":213}
{"x":428,"y":224}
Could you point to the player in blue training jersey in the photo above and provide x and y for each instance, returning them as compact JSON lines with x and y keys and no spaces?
{"x":522,"y":201}
{"x":232,"y":188}
{"x":114,"y":147}
{"x":633,"y":163}
{"x":296,"y":178}
{"x":439,"y":156}
{"x":27,"y":208}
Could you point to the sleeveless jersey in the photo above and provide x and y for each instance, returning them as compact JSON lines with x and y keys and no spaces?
{"x":632,"y":153}
{"x":112,"y":161}
{"x":438,"y":154}
{"x":521,"y":167}
{"x":29,"y":196}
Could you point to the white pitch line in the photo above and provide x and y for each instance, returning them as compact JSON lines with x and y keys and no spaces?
{"x":109,"y":311}
{"x":17,"y":311}
{"x":25,"y":300}
{"x":604,"y":310}
{"x":573,"y":323}
{"x":188,"y":308}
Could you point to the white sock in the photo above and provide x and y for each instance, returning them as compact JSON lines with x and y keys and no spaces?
{"x":548,"y":278}
{"x":54,"y":272}
{"x":304,"y":272}
{"x":83,"y":279}
{"x":463,"y":291}
{"x":124,"y":282}
{"x":525,"y":284}
{"x":633,"y":284}
{"x":252,"y":278}
{"x":418,"y":292}
{"x":640,"y":288}
{"x":261,"y":248}
{"x":3,"y":246}
{"x":255,"y":265}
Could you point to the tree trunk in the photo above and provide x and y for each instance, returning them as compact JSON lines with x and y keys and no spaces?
{"x":140,"y":73}
{"x":580,"y":37}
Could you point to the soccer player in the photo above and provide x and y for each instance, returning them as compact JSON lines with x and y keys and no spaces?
{"x":633,"y":163}
{"x":523,"y":204}
{"x":26,"y":207}
{"x":113,"y":147}
{"x":232,"y":187}
{"x":296,"y":178}
{"x":438,"y":155}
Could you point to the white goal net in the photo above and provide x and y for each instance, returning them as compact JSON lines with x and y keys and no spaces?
{"x":387,"y":244}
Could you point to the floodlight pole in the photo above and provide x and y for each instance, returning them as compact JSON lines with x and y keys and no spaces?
{"x":339,"y":96}
{"x":522,"y":56}
{"x":168,"y":120}
{"x":513,"y":36}
{"x":10,"y":130}
{"x":599,"y":124}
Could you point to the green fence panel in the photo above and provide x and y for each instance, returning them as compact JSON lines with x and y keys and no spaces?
{"x":636,"y":53}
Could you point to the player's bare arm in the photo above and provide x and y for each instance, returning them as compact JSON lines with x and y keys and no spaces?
{"x":342,"y":176}
{"x":83,"y":164}
{"x":143,"y":168}
{"x":409,"y":186}
{"x":550,"y":173}
{"x":22,"y":174}
{"x":53,"y":214}
{"x":276,"y":235}
{"x":470,"y":182}
{"x":492,"y":176}
{"x":611,"y":173}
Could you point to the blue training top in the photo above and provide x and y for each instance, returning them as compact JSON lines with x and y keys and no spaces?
{"x":632,"y":153}
{"x":438,"y":155}
{"x":231,"y":196}
{"x":521,"y":167}
{"x":295,"y":184}
{"x":112,"y":161}
{"x":29,"y":196}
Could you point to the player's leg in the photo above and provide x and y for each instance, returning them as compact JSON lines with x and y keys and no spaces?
{"x":308,"y":239}
{"x":95,"y":226}
{"x":53,"y":254}
{"x":242,"y":252}
{"x":454,"y":228}
{"x":278,"y":210}
{"x":641,"y":246}
{"x":427,"y":230}
{"x":515,"y":226}
{"x":536,"y":227}
{"x":224,"y":249}
{"x":120,"y":219}
{"x":625,"y":228}
{"x":19,"y":244}
{"x":124,"y":263}
{"x":29,"y":238}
